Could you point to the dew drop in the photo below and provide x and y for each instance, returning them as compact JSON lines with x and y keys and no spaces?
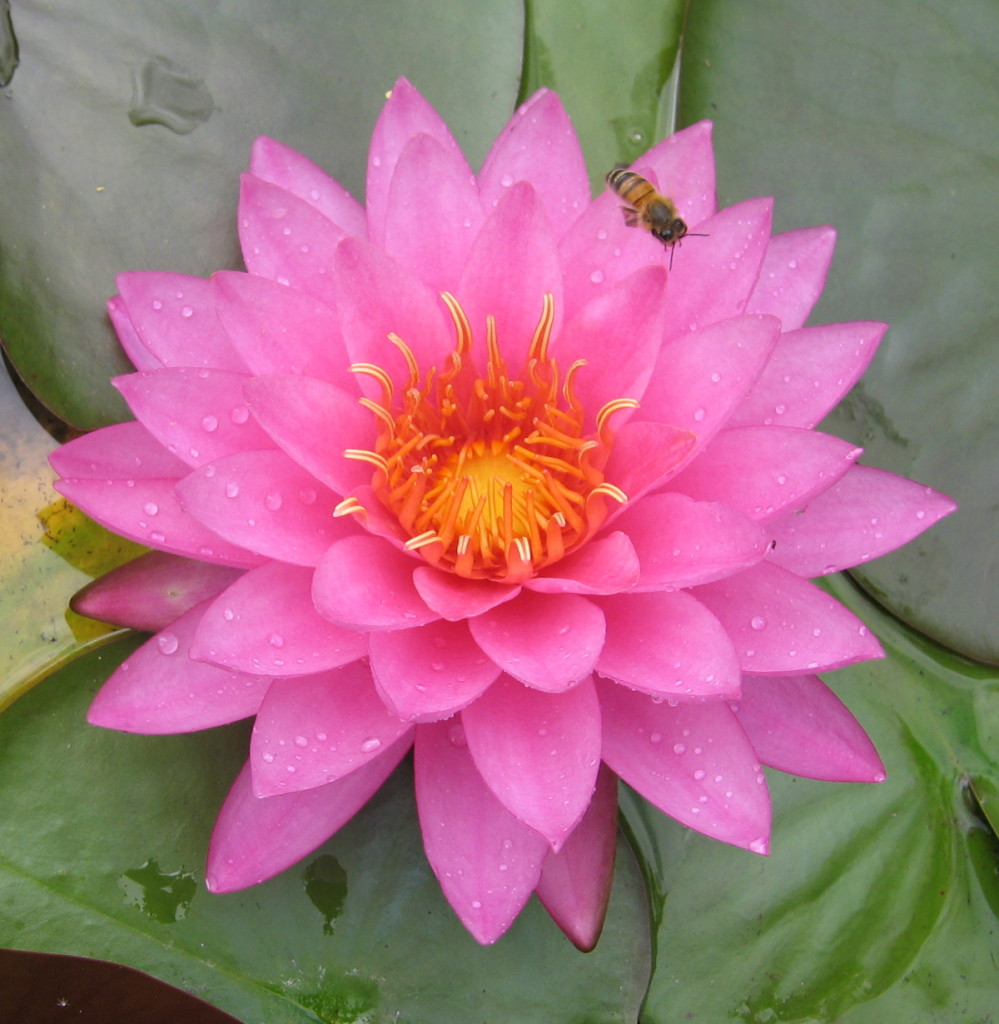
{"x":210,"y":423}
{"x":186,"y":312}
{"x":715,"y":377}
{"x":273,"y":501}
{"x":506,"y":181}
{"x":157,"y":305}
{"x":157,"y":538}
{"x":758,"y":622}
{"x":228,"y":614}
{"x":267,"y":758}
{"x":301,"y":741}
{"x":276,"y":640}
{"x":373,"y":743}
{"x":597,"y":276}
{"x":655,"y":737}
{"x":150,"y":508}
{"x":231,"y":489}
{"x":239,"y":414}
{"x":699,"y":415}
{"x":167,"y":643}
{"x":307,"y":495}
{"x":163,"y":93}
{"x":679,"y":748}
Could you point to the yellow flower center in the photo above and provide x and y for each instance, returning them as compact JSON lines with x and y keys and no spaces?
{"x":490,"y":475}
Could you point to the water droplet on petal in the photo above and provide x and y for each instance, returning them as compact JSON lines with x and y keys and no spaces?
{"x":597,"y":276}
{"x":150,"y":508}
{"x":231,"y":489}
{"x":273,"y":501}
{"x":267,"y":758}
{"x":167,"y":643}
{"x":276,"y":640}
{"x":239,"y":414}
{"x":371,"y":744}
{"x":679,"y":748}
{"x":699,"y":415}
{"x":758,"y":622}
{"x":210,"y":423}
{"x":301,"y":741}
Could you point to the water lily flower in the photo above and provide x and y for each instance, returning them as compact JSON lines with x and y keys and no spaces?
{"x":472,"y":470}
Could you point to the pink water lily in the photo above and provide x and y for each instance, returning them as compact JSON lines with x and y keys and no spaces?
{"x":471,"y":469}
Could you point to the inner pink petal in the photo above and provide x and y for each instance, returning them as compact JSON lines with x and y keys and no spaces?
{"x":684,"y":168}
{"x":793,"y":274}
{"x":603,"y":566}
{"x":455,"y":598}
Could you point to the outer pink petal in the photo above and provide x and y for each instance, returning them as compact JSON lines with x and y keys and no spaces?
{"x":141,"y":357}
{"x":285,"y":238}
{"x":255,"y":838}
{"x":866,"y":513}
{"x":198,"y":414}
{"x":152,"y":590}
{"x":684,"y":166}
{"x":265,"y":622}
{"x":314,"y":423}
{"x":487,"y":861}
{"x":266,"y":503}
{"x":316,"y":729}
{"x":668,"y":644}
{"x":798,"y":725}
{"x":764,"y":470}
{"x":680,"y":542}
{"x":149,"y":512}
{"x":607,"y":565}
{"x":693,"y":761}
{"x":428,"y":673}
{"x":281,"y":165}
{"x":159,"y":689}
{"x":124,"y":450}
{"x":809,"y":372}
{"x":174,"y":316}
{"x":793,"y":274}
{"x":575,"y":883}
{"x":277,"y":329}
{"x":363,"y":583}
{"x":538,"y":752}
{"x":539,"y":145}
{"x":548,"y":641}
{"x":405,"y":114}
{"x":454,"y":598}
{"x":645,"y":456}
{"x":436,"y":189}
{"x":783,"y":625}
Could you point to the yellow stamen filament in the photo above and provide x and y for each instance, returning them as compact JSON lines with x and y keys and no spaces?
{"x":349,"y":507}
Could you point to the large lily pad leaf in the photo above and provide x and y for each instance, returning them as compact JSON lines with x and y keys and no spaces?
{"x":102,"y":841}
{"x":126,"y":125}
{"x":882,"y":118}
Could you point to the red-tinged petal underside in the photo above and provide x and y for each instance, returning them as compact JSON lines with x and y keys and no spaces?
{"x":681,"y":542}
{"x":487,"y":861}
{"x":428,"y":673}
{"x":866,"y":513}
{"x":152,"y":590}
{"x":198,"y":414}
{"x":363,"y":583}
{"x":784,"y":625}
{"x":604,"y":566}
{"x":433,"y":184}
{"x":174,"y":316}
{"x":265,"y":622}
{"x":255,"y":838}
{"x":575,"y":883}
{"x":538,"y":752}
{"x":266,"y":503}
{"x":793,"y":275}
{"x":281,"y":165}
{"x":159,"y":689}
{"x":548,"y":641}
{"x":455,"y":598}
{"x":278,"y":329}
{"x":122,"y":451}
{"x":646,"y":455}
{"x":693,"y":761}
{"x":539,"y":145}
{"x":668,"y":644}
{"x":140,"y":357}
{"x":764,"y":471}
{"x":314,"y":423}
{"x":809,"y":372}
{"x":798,"y":725}
{"x":316,"y":729}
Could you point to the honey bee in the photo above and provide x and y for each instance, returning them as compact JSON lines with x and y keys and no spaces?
{"x":646,"y":207}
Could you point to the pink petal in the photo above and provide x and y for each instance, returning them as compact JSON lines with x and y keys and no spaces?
{"x":140,"y":356}
{"x":809,"y":372}
{"x":255,"y":838}
{"x":454,"y":598}
{"x":866,"y":513}
{"x":692,"y":761}
{"x":159,"y":689}
{"x":428,"y":673}
{"x":314,"y":423}
{"x":645,"y":456}
{"x":435,"y":187}
{"x":538,"y":752}
{"x":684,"y":168}
{"x":548,"y":641}
{"x":316,"y":729}
{"x":681,"y":543}
{"x":265,"y":622}
{"x":539,"y":145}
{"x":575,"y":883}
{"x":363,"y":583}
{"x":285,"y":238}
{"x":152,"y":590}
{"x":405,"y":114}
{"x":798,"y":725}
{"x":603,"y":566}
{"x":174,"y":316}
{"x":487,"y":861}
{"x":277,"y":329}
{"x":198,"y":414}
{"x":668,"y":644}
{"x":793,"y":274}
{"x":782,"y":624}
{"x":265,"y":502}
{"x":123,"y":450}
{"x":281,"y":165}
{"x":764,"y":470}
{"x":149,"y":512}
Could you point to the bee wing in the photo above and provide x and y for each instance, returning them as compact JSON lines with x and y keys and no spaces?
{"x":630,"y":216}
